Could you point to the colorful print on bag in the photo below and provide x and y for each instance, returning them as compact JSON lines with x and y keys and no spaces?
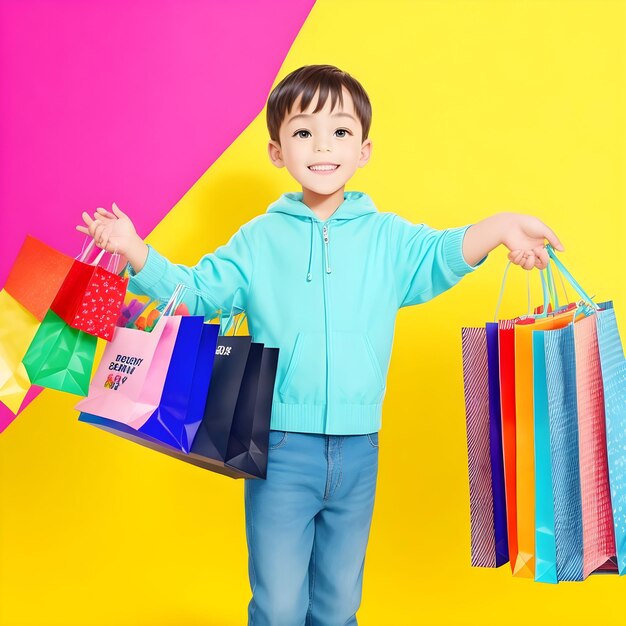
{"x":90,"y":299}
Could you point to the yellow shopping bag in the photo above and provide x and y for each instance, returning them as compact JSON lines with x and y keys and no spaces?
{"x":17,"y":329}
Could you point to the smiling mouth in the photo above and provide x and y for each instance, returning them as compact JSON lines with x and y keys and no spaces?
{"x":327,"y":168}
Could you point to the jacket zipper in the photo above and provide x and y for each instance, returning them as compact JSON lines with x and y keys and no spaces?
{"x":327,"y":316}
{"x":327,"y":256}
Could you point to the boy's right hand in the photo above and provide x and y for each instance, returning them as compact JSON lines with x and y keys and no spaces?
{"x":115,"y":233}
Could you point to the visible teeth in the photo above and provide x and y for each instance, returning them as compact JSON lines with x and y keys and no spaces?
{"x":323,"y":167}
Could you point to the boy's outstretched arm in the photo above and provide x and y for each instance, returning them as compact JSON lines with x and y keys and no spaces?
{"x":219,"y":282}
{"x":523,"y":235}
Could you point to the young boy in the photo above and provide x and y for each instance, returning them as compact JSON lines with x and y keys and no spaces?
{"x":321,"y":275}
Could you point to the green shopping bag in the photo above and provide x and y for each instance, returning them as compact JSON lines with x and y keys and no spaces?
{"x":60,"y":357}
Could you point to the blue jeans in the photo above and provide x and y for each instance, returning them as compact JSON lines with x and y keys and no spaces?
{"x":307,"y":527}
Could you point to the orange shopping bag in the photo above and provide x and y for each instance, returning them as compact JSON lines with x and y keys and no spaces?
{"x":36,"y":276}
{"x":524,"y":565}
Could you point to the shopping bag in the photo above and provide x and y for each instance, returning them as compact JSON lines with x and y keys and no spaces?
{"x":545,"y":542}
{"x":60,"y":357}
{"x":484,"y":551}
{"x":228,"y":362}
{"x":524,"y":436}
{"x":613,"y":368}
{"x":544,"y":397}
{"x":234,"y":434}
{"x":165,"y":402}
{"x":90,"y":297}
{"x":506,"y":370}
{"x":247,"y":443}
{"x":36,"y":276}
{"x":560,"y":371}
{"x":145,"y":379}
{"x":613,"y":390}
{"x":597,"y":518}
{"x":228,"y":383}
{"x":506,"y":362}
{"x":17,"y":330}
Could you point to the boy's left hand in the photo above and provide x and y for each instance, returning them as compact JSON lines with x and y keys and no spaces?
{"x":525,"y":236}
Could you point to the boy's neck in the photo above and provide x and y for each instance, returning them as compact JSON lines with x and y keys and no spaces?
{"x":323,"y":205}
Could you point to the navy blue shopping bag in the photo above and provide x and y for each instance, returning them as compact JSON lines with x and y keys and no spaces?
{"x":248,"y":441}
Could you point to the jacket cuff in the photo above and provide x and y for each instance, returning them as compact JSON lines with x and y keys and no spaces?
{"x":150,"y":274}
{"x":453,"y":252}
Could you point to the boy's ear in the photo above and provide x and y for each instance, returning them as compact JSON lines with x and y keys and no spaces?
{"x":366,"y":152}
{"x":274,"y":150}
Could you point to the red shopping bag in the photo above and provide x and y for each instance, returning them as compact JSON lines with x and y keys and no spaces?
{"x":91,"y":296}
{"x":36,"y":276}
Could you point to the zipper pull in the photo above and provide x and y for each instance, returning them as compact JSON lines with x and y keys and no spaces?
{"x":326,"y":240}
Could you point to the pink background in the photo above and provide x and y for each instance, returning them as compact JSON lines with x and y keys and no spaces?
{"x":125,"y":101}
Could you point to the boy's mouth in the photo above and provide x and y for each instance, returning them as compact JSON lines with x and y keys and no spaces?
{"x":323,"y":168}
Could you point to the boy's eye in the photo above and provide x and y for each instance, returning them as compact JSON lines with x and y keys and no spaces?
{"x":303,"y":134}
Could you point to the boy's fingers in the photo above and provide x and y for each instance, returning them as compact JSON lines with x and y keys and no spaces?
{"x":105,"y":213}
{"x":553,"y":239}
{"x":103,"y":217}
{"x":93,"y":227}
{"x":528,"y":260}
{"x":87,"y":219}
{"x":117,"y":211}
{"x":542,"y":256}
{"x":83,"y":229}
{"x":98,"y":233}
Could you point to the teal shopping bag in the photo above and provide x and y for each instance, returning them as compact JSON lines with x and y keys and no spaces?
{"x":545,"y":542}
{"x":60,"y":357}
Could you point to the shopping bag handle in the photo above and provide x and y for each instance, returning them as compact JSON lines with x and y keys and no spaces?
{"x":529,"y":314}
{"x":231,"y":317}
{"x":553,"y":288}
{"x":176,"y":299}
{"x":572,"y":281}
{"x":172,"y":303}
{"x":85,"y":252}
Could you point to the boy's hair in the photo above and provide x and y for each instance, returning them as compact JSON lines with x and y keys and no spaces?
{"x":306,"y":80}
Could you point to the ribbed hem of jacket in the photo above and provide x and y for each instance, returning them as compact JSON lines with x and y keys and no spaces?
{"x":346,"y":419}
{"x":453,"y":251}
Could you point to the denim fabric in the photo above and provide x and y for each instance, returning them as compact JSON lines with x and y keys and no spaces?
{"x":307,"y":527}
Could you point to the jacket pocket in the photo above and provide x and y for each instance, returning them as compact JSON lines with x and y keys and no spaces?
{"x":305,"y":377}
{"x":355,"y":370}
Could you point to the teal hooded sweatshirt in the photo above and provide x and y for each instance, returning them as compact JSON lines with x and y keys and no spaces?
{"x":326,"y":293}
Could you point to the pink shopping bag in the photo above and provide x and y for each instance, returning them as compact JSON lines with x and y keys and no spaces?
{"x":597,"y":518}
{"x":128,"y":383}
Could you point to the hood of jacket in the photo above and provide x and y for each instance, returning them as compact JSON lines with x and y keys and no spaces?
{"x":355,"y":204}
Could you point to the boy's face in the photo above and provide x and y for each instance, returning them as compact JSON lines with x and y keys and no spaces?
{"x":329,"y":137}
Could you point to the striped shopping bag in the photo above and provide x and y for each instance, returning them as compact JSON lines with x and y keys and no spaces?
{"x":486,"y":480}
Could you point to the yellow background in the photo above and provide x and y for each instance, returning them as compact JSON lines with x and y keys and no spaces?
{"x":478,"y":107}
